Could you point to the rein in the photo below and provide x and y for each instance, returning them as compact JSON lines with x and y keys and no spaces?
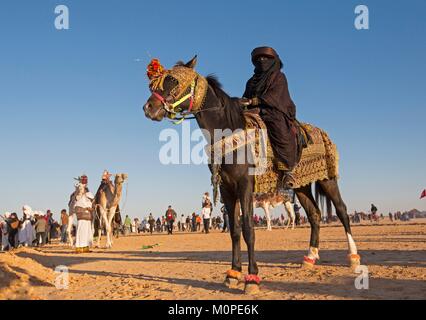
{"x":173,"y":108}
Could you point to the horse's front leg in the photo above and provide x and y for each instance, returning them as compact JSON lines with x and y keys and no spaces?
{"x":252,"y":281}
{"x":233,"y":276}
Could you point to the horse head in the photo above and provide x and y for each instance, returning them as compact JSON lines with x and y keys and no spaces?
{"x":174,"y":91}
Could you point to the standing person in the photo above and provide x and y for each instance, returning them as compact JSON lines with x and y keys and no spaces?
{"x":40,"y":228}
{"x":374,"y":216}
{"x":170,"y":218}
{"x":84,"y":212}
{"x":13,"y":228}
{"x":194,"y":222}
{"x":183,"y":223}
{"x":163,"y":224}
{"x":64,"y":226}
{"x":225,"y":219}
{"x":390,"y":217}
{"x":26,"y":232}
{"x":151,"y":222}
{"x":206,"y":211}
{"x":218,"y":222}
{"x":188,"y":224}
{"x":297,"y":213}
{"x":127,"y":225}
{"x":4,"y":232}
{"x":198,"y":222}
{"x":49,"y":226}
{"x":373,"y":209}
{"x":158,"y":225}
{"x":134,"y":225}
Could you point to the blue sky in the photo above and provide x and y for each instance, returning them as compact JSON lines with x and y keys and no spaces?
{"x":70,"y":101}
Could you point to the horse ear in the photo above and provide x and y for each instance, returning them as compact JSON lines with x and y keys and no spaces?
{"x":192,"y":63}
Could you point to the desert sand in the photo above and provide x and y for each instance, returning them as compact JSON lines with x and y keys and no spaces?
{"x":192,"y":266}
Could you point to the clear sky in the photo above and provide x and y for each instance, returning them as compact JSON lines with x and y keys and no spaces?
{"x":70,"y":100}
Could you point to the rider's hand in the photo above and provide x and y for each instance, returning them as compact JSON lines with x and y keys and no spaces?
{"x":245,"y":102}
{"x":255,"y":101}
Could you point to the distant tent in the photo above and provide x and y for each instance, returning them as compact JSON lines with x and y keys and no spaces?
{"x":423,"y":194}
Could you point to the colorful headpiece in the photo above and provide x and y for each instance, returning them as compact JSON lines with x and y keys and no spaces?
{"x":154,"y":69}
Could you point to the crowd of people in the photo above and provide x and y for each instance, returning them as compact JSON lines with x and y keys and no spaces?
{"x":32,"y":229}
{"x":35,"y":228}
{"x":171,"y":221}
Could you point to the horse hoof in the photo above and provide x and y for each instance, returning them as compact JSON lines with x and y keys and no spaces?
{"x":252,"y":284}
{"x":232,"y":283}
{"x":308,"y":263}
{"x":232,"y":279}
{"x":251,"y":289}
{"x":354,"y":260}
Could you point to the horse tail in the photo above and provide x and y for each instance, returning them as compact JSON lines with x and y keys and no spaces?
{"x":321,"y":198}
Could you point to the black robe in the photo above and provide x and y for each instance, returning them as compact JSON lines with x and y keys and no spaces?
{"x":278,"y":112}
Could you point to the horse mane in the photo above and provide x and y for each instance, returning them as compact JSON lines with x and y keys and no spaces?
{"x":214,"y":82}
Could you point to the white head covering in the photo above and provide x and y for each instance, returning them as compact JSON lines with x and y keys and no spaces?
{"x":7,"y":215}
{"x":27,"y":210}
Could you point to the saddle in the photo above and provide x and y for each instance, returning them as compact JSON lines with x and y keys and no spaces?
{"x":302,"y":135}
{"x":317,"y":155}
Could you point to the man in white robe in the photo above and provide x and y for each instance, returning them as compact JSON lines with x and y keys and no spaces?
{"x":27,"y":233}
{"x":84,"y":236}
{"x":4,"y":232}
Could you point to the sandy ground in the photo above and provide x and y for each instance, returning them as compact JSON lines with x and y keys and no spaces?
{"x":192,"y":266}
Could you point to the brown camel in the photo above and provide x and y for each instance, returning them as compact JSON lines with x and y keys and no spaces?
{"x":106,"y":202}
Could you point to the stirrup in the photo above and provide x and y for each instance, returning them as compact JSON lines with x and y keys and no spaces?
{"x":287,"y":181}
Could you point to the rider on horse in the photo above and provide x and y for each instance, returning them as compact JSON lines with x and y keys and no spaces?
{"x":268,"y":90}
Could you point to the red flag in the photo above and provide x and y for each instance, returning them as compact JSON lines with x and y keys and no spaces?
{"x":423,"y":194}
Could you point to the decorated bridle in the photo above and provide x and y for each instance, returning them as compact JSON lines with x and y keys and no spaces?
{"x":157,"y":74}
{"x":173,"y":108}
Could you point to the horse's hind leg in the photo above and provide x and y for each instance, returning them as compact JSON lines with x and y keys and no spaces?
{"x":331,"y":190}
{"x":314,"y":216}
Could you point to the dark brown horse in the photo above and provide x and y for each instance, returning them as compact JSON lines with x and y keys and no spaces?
{"x":219,"y":111}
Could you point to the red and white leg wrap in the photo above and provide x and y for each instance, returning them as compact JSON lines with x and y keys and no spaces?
{"x":233,"y":274}
{"x":311,"y":258}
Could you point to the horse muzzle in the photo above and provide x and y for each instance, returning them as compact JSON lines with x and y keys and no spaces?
{"x":153,"y":113}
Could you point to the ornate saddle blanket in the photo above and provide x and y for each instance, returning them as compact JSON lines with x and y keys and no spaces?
{"x":319,"y":160}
